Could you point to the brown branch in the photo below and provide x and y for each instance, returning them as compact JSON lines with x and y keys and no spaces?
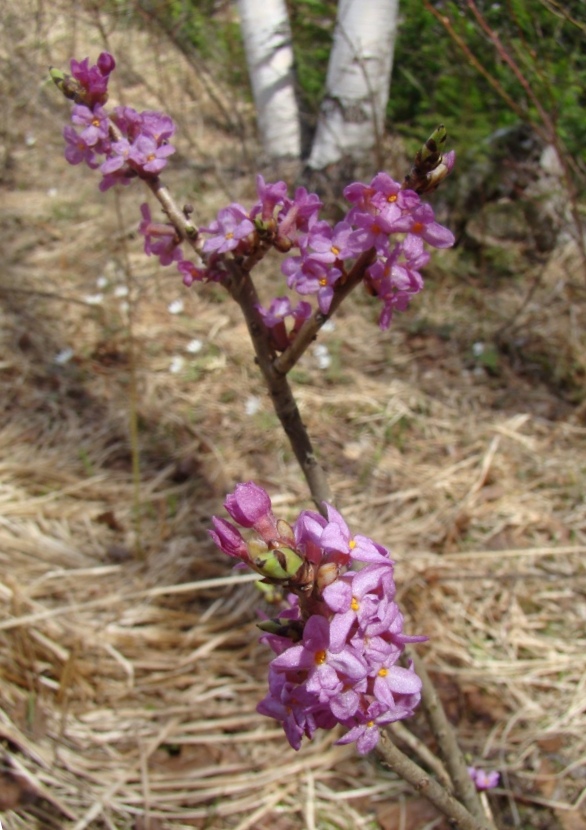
{"x":446,"y":738}
{"x":428,"y":787}
{"x":186,"y":229}
{"x":308,"y":331}
{"x":241,"y":288}
{"x":401,"y":735}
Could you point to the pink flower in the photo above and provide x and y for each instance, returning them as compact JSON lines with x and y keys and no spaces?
{"x":338,"y":643}
{"x":160,"y":238}
{"x":231,"y":226}
{"x":482,"y":779}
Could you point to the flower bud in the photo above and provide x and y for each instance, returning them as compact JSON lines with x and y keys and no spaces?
{"x":248,"y":504}
{"x":106,"y":63}
{"x":283,"y":244}
{"x":67,"y":85}
{"x":326,"y":574}
{"x":229,"y":540}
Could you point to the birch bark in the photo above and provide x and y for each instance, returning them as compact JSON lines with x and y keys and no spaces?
{"x":358,"y":81}
{"x":267,"y":41}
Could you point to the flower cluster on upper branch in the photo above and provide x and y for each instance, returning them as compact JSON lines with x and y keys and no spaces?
{"x":386,"y":220}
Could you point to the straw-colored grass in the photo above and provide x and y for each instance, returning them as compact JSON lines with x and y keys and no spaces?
{"x":129,"y":662}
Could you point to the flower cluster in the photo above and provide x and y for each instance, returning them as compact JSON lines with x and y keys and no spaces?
{"x":132,"y":143}
{"x":160,"y":238}
{"x":338,"y":642}
{"x":390,"y":222}
{"x":386,"y":222}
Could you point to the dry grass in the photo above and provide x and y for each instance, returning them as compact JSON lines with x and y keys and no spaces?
{"x":129,"y":684}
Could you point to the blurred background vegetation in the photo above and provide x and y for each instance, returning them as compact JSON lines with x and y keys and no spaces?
{"x":433,"y":80}
{"x":508,"y":79}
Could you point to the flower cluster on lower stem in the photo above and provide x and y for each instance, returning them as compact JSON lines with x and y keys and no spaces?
{"x":337,"y":644}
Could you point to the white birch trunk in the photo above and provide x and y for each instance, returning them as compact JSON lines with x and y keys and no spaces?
{"x":358,"y":81}
{"x":267,"y":41}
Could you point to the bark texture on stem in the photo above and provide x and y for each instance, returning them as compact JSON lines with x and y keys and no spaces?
{"x":242,"y":290}
{"x":308,"y":332}
{"x":429,"y":787}
{"x":446,"y":739}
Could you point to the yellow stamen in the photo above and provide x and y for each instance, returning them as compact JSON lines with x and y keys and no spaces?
{"x":354,"y":605}
{"x":320,"y":658}
{"x":417,"y":227}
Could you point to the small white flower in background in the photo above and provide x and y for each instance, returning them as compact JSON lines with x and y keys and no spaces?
{"x":112,"y":270}
{"x":176,"y":365}
{"x":194,"y":346}
{"x":252,"y":405}
{"x":63,"y":357}
{"x":121,"y":291}
{"x":30,"y":140}
{"x":52,"y":192}
{"x":329,"y":325}
{"x":102,"y":281}
{"x":176,"y":307}
{"x":477,"y":349}
{"x":322,"y":356}
{"x":94,"y":299}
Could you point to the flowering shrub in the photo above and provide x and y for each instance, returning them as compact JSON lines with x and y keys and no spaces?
{"x":339,"y":640}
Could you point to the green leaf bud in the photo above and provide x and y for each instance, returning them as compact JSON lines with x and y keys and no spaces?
{"x":282,"y":563}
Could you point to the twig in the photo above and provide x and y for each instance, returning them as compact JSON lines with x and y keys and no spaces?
{"x":428,"y":787}
{"x":400,"y":732}
{"x":551,"y":131}
{"x":241,"y":288}
{"x":446,"y":739}
{"x":310,"y":328}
